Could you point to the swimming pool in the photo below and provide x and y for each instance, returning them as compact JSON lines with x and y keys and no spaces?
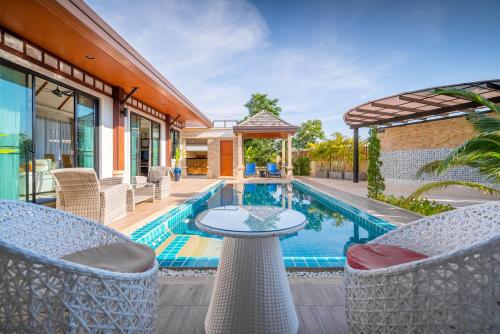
{"x":332,"y":226}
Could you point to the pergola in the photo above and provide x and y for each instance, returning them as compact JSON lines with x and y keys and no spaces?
{"x":266,"y":125}
{"x":415,"y":107}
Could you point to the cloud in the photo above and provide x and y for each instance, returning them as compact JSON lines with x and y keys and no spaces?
{"x":220,"y":52}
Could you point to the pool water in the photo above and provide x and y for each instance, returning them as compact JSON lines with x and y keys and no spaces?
{"x":322,"y":243}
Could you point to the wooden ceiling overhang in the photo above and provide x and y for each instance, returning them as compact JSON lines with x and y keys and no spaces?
{"x":264,"y":132}
{"x":72,"y":31}
{"x":420,"y":106}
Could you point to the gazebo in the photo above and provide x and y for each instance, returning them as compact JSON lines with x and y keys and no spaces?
{"x":266,"y":125}
{"x":415,"y":107}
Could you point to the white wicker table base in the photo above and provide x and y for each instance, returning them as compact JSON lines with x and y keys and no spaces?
{"x":251,"y":292}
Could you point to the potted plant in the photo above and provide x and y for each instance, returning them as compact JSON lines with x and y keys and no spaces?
{"x":177,"y":170}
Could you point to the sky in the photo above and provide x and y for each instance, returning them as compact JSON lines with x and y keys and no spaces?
{"x":319,"y":58}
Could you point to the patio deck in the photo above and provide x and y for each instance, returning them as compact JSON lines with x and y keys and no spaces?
{"x":147,"y":211}
{"x":354,"y":196}
{"x":455,"y":196}
{"x":319,"y":303}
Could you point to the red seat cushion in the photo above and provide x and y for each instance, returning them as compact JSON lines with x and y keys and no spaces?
{"x":375,"y":256}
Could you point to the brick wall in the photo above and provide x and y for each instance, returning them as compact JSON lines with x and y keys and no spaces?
{"x":405,"y":149}
{"x":439,"y":134}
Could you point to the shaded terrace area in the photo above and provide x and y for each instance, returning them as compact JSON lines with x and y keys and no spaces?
{"x":414,"y":107}
{"x":265,"y":125}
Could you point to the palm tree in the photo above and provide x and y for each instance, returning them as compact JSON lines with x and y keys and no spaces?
{"x":481,"y":152}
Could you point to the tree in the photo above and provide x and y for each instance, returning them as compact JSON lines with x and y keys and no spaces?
{"x":376,"y":183}
{"x":261,"y":151}
{"x":338,"y":150}
{"x":481,"y":152}
{"x":309,"y":132}
{"x":260,"y":102}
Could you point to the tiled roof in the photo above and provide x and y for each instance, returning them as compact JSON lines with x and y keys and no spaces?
{"x":263,"y":120}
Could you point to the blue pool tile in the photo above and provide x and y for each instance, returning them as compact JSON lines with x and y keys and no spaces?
{"x":301,"y":253}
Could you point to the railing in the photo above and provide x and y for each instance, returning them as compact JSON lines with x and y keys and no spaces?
{"x":224,"y":123}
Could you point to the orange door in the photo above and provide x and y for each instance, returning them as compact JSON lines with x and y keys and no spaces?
{"x":226,"y":158}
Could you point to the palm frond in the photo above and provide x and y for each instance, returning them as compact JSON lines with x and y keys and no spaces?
{"x":445,"y":184}
{"x":429,"y":168}
{"x":484,"y":123}
{"x":471,"y":96}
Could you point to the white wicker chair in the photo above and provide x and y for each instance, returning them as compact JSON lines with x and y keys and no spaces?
{"x":81,"y":193}
{"x":41,"y":293}
{"x":159,"y":176}
{"x":455,"y":290}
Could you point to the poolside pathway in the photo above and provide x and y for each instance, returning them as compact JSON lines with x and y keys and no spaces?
{"x":319,"y":302}
{"x":355,"y":198}
{"x":147,"y":211}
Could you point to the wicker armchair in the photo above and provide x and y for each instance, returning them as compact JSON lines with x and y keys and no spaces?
{"x":81,"y":193}
{"x":42,"y":293}
{"x":455,"y":290}
{"x":160,"y":177}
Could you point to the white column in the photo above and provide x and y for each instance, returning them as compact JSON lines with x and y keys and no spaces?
{"x":283,"y":159}
{"x":239,"y":192}
{"x":239,"y":175}
{"x":289,"y":168}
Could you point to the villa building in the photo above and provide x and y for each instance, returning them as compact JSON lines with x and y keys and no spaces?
{"x":73,"y":93}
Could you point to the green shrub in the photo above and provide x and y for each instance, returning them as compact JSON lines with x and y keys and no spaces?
{"x":421,"y":206}
{"x":301,"y":165}
{"x":376,"y":185}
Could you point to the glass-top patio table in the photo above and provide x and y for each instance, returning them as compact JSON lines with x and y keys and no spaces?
{"x":251,"y":292}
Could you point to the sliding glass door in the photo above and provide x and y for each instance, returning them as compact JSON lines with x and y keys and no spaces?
{"x":144,"y":145}
{"x":155,"y":144}
{"x":85,"y":128}
{"x":43,"y":126}
{"x":134,"y":143}
{"x":16,"y":114}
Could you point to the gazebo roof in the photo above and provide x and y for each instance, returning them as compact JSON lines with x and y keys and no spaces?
{"x":420,"y":106}
{"x":265,"y":125}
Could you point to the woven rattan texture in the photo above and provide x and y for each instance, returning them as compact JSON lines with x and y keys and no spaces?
{"x":455,"y":290}
{"x":162,"y":187}
{"x":251,"y":292}
{"x":40,"y":293}
{"x":81,"y":193}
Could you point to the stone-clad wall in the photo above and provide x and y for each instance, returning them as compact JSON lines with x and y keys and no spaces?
{"x":402,"y":165}
{"x":405,"y":149}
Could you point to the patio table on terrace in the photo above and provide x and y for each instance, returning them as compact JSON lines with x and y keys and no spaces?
{"x":251,"y":292}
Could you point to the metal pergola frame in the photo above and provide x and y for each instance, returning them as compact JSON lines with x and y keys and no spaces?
{"x":416,"y":107}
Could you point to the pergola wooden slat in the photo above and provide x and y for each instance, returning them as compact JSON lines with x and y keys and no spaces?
{"x":414,"y":107}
